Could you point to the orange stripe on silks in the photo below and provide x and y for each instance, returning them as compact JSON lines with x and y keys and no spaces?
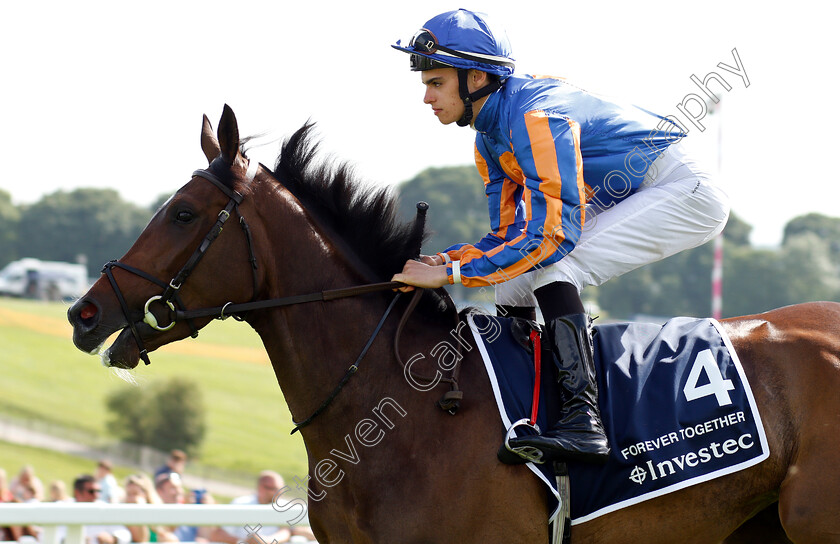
{"x":516,"y":269}
{"x":507,"y":204}
{"x":506,"y":274}
{"x":579,"y":167}
{"x":495,"y":277}
{"x":538,"y":254}
{"x":549,"y":231}
{"x":511,"y":167}
{"x":504,"y":246}
{"x":481,"y":165}
{"x":544,"y":152}
{"x":545,"y":159}
{"x":526,"y":198}
{"x":507,"y":208}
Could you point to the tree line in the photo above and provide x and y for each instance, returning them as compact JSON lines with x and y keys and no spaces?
{"x":91,"y":226}
{"x":96,"y":225}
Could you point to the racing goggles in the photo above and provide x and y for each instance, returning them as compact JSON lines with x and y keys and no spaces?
{"x":419,"y":63}
{"x":425,"y":42}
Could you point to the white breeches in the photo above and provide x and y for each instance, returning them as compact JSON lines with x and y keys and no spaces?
{"x":677,"y":207}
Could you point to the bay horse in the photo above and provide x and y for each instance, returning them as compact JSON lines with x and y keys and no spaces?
{"x":386,"y":464}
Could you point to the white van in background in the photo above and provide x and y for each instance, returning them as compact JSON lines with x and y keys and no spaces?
{"x":48,"y":280}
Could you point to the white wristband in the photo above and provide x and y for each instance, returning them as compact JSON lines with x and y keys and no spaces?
{"x":445,"y":258}
{"x":456,"y":272}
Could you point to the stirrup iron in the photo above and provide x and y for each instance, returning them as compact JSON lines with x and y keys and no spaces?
{"x":529,"y":453}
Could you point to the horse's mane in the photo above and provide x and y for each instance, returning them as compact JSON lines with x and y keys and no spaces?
{"x":365,"y":218}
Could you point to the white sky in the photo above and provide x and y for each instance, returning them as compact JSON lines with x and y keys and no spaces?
{"x":111,"y":94}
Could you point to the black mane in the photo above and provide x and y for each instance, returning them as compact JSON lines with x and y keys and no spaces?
{"x":364,"y":217}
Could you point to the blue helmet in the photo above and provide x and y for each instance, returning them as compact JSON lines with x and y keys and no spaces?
{"x":460,"y":39}
{"x":463,"y":40}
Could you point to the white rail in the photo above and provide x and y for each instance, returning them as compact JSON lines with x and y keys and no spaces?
{"x":51,"y":516}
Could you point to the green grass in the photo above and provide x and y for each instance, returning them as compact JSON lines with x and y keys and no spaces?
{"x":45,"y":378}
{"x":50,"y":465}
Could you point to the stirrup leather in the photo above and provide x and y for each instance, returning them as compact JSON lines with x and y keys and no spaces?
{"x":529,"y":453}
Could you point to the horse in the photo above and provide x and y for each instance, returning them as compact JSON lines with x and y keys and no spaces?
{"x":386,"y":463}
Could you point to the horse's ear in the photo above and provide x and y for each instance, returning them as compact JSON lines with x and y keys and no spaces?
{"x":229,"y":135}
{"x":209,"y":143}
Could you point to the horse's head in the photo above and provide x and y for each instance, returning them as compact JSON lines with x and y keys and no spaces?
{"x":180,"y":260}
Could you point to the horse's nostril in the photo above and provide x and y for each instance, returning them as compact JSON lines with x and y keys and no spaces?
{"x":87,"y":311}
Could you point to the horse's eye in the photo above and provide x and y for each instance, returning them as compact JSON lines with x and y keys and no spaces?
{"x":184,"y":216}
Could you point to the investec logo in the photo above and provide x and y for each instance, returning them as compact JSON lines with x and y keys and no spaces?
{"x":670,"y":467}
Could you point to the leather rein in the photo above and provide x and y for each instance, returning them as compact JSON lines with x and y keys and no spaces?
{"x":450,"y":401}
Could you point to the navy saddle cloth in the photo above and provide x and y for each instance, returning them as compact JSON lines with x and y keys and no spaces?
{"x":674,"y":400}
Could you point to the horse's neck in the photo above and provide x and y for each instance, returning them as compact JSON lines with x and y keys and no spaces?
{"x":312,"y":344}
{"x":312,"y":348}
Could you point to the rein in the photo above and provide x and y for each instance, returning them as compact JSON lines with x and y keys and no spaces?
{"x":350,"y":371}
{"x":228,"y":309}
{"x":450,"y":402}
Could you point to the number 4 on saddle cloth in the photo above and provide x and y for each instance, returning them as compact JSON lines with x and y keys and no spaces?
{"x":674,"y":400}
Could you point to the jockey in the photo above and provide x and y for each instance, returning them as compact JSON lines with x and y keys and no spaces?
{"x":580,"y":188}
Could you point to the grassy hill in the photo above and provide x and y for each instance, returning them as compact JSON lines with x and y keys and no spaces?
{"x":50,"y":465}
{"x":47,"y":380}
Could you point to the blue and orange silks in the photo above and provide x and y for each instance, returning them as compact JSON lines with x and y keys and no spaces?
{"x":548,"y":152}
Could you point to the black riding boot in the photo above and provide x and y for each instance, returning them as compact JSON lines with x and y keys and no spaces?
{"x":579,"y":434}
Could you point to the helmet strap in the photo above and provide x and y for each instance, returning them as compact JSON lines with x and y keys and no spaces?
{"x":469,"y":98}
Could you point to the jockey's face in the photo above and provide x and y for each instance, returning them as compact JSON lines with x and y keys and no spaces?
{"x":442,"y":92}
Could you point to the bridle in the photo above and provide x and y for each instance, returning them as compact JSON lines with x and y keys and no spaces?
{"x":170,"y":292}
{"x":171,"y":299}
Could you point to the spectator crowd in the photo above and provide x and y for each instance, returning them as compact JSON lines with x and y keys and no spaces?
{"x":165,"y":486}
